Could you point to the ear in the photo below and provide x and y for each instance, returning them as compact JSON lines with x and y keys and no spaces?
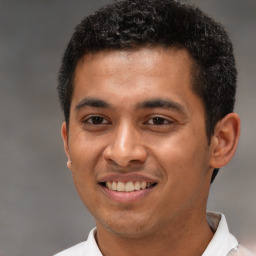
{"x":225,"y":139}
{"x":64,"y":134}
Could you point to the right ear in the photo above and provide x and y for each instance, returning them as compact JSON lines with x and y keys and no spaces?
{"x":64,"y":134}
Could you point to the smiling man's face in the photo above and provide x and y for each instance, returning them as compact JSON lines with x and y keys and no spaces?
{"x":137,"y":141}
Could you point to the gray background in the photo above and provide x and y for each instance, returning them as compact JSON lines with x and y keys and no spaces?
{"x":40,"y":212}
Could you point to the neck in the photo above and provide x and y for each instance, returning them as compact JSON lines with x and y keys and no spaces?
{"x":188,"y":239}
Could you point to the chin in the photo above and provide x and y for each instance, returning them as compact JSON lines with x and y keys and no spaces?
{"x":129,"y":227}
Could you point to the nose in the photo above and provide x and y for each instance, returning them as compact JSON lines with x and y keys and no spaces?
{"x":126,"y":147}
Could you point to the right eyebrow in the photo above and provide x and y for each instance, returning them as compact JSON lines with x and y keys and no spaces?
{"x":92,"y":102}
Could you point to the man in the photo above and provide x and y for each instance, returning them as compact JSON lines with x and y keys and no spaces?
{"x":148,"y":88}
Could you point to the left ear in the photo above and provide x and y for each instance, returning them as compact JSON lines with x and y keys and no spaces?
{"x":225,"y":139}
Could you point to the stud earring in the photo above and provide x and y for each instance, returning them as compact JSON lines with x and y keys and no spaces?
{"x":69,"y":163}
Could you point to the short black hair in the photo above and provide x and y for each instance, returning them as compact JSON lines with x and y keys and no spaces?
{"x":134,"y":24}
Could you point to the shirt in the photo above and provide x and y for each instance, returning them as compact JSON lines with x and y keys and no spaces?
{"x":223,"y":242}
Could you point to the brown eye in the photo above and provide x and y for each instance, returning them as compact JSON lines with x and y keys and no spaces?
{"x":159,"y":121}
{"x":96,"y":120}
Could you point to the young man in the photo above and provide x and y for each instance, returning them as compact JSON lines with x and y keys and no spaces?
{"x":147,"y":88}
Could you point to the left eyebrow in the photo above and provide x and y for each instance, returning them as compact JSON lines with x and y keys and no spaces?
{"x":93,"y":103}
{"x":161,"y":103}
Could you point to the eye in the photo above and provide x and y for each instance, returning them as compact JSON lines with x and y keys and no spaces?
{"x":96,"y":120}
{"x":159,"y":121}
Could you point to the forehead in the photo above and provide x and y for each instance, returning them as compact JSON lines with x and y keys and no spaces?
{"x":129,"y":74}
{"x":156,"y":59}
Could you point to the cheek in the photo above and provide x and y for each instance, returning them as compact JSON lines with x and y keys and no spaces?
{"x":174,"y":150}
{"x":85,"y":182}
{"x":81,"y":154}
{"x":180,"y":157}
{"x":185,"y":180}
{"x":84,"y":150}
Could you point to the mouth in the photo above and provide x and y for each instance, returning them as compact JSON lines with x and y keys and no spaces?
{"x":129,"y":186}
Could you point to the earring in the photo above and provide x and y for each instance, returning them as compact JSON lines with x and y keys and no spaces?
{"x":69,"y":164}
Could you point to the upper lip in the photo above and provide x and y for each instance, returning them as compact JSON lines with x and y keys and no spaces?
{"x":125,"y":177}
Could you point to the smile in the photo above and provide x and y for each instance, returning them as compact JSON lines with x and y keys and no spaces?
{"x":129,"y":186}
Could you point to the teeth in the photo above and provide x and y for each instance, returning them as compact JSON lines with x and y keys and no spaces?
{"x":143,"y":184}
{"x":128,"y":186}
{"x":114,"y":185}
{"x":120,"y":186}
{"x":137,"y":185}
{"x":109,"y":185}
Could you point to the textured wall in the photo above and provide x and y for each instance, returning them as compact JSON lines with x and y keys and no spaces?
{"x":40,"y":212}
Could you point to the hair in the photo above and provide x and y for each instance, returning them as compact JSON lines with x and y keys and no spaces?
{"x":134,"y":24}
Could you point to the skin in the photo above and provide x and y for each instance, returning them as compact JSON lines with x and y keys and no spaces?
{"x":118,"y":127}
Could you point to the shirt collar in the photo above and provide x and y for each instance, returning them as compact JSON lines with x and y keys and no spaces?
{"x":94,"y":249}
{"x":222,"y":242}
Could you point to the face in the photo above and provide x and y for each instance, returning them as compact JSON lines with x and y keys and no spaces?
{"x":137,"y":141}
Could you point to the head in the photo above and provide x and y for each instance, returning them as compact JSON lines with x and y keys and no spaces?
{"x":147,"y":88}
{"x":159,"y":23}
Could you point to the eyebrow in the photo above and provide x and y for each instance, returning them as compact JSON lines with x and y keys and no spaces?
{"x":152,"y":103}
{"x":92,"y":102}
{"x":161,"y":103}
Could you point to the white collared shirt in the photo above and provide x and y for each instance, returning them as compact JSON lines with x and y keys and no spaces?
{"x":222,"y":244}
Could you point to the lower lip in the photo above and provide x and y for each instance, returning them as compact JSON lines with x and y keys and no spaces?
{"x":126,"y":197}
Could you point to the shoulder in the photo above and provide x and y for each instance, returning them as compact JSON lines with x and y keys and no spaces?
{"x":86,"y":248}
